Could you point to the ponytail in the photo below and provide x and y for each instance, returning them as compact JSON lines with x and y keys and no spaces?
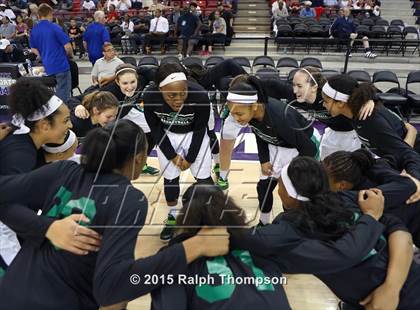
{"x":109,"y":148}
{"x":323,"y":216}
{"x":348,"y":166}
{"x":361,"y":94}
{"x":101,"y":100}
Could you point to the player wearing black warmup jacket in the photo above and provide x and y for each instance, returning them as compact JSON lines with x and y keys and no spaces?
{"x":282,"y":133}
{"x":177,"y":112}
{"x":100,"y":188}
{"x":383,"y":132}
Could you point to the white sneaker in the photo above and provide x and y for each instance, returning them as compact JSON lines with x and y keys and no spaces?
{"x":180,"y":56}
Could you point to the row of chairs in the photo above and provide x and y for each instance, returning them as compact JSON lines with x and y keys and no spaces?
{"x":403,"y":100}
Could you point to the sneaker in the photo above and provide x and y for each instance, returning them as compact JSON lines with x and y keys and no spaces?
{"x":180,"y":56}
{"x":223,"y":184}
{"x":169,"y":230}
{"x":216,"y":170}
{"x":150,"y":170}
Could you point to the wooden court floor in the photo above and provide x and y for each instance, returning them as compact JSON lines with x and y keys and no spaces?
{"x":304,"y":292}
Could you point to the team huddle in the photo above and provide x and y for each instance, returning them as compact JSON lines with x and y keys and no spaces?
{"x":346,"y":168}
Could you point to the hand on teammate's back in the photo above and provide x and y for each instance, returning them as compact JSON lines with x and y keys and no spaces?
{"x":67,"y":234}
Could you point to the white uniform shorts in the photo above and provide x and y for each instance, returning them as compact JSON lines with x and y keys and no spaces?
{"x":200,"y":168}
{"x":230,"y":129}
{"x":138,"y":118}
{"x":333,"y":141}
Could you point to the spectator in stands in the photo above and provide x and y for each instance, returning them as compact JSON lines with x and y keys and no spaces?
{"x":137,"y":4}
{"x":345,"y":3}
{"x":307,"y":11}
{"x":188,"y":26}
{"x":86,"y":23}
{"x":157,"y":5}
{"x":198,"y":11}
{"x":7,"y":29}
{"x":88,"y":5}
{"x":159,"y":28}
{"x":279,"y":10}
{"x":141,"y":27}
{"x":49,"y":42}
{"x":75,"y":34}
{"x":10,"y":52}
{"x":103,"y":71}
{"x":124,"y":6}
{"x":344,"y":28}
{"x":7,"y":11}
{"x":176,"y":13}
{"x":95,"y":36}
{"x":115,"y":3}
{"x":218,"y":34}
{"x":330,"y":6}
{"x":295,"y":8}
{"x":22,"y":32}
{"x":127,"y":26}
{"x":33,"y":8}
{"x":228,"y":17}
{"x":112,"y":16}
{"x":375,"y":7}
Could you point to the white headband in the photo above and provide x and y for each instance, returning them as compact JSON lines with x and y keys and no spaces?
{"x":247,"y":99}
{"x":288,"y":185}
{"x":332,"y":93}
{"x":49,"y":108}
{"x":71,"y":139}
{"x":173,"y":77}
{"x":310,"y":75}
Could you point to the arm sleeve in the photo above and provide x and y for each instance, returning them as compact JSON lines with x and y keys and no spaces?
{"x":165,"y":26}
{"x":201,"y":119}
{"x":263,"y":151}
{"x":387,"y":141}
{"x":309,"y":255}
{"x":115,"y":263}
{"x":95,"y":69}
{"x":159,"y":136}
{"x":26,"y":223}
{"x":29,"y":188}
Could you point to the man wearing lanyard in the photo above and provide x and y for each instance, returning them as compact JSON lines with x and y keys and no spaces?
{"x":159,"y":28}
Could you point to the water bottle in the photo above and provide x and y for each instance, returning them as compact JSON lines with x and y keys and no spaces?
{"x":30,"y":72}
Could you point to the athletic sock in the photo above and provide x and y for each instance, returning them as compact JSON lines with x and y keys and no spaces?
{"x":216,"y":158}
{"x":223,"y":174}
{"x":265,"y":217}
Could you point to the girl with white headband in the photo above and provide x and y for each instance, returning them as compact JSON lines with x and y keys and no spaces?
{"x":66,"y":151}
{"x":177,"y":112}
{"x":325,"y":234}
{"x":383,"y":132}
{"x":127,"y":88}
{"x":39,"y":118}
{"x":282,"y":133}
{"x":339,"y":134}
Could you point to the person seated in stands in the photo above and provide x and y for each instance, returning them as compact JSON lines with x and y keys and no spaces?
{"x":344,"y":28}
{"x":376,"y":11}
{"x":345,"y":4}
{"x":10,"y":53}
{"x":176,"y":13}
{"x":198,"y":10}
{"x":159,"y":28}
{"x":218,"y":34}
{"x":5,"y":10}
{"x":89,"y":6}
{"x":103,"y":71}
{"x":141,"y":28}
{"x":228,"y":17}
{"x":157,"y":4}
{"x":108,"y":4}
{"x":7,"y":29}
{"x":137,"y":4}
{"x":75,"y":34}
{"x":124,"y":6}
{"x":295,"y":8}
{"x":112,"y":16}
{"x":22,"y":31}
{"x":279,"y":10}
{"x":330,"y":6}
{"x":307,"y":11}
{"x":189,"y":27}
